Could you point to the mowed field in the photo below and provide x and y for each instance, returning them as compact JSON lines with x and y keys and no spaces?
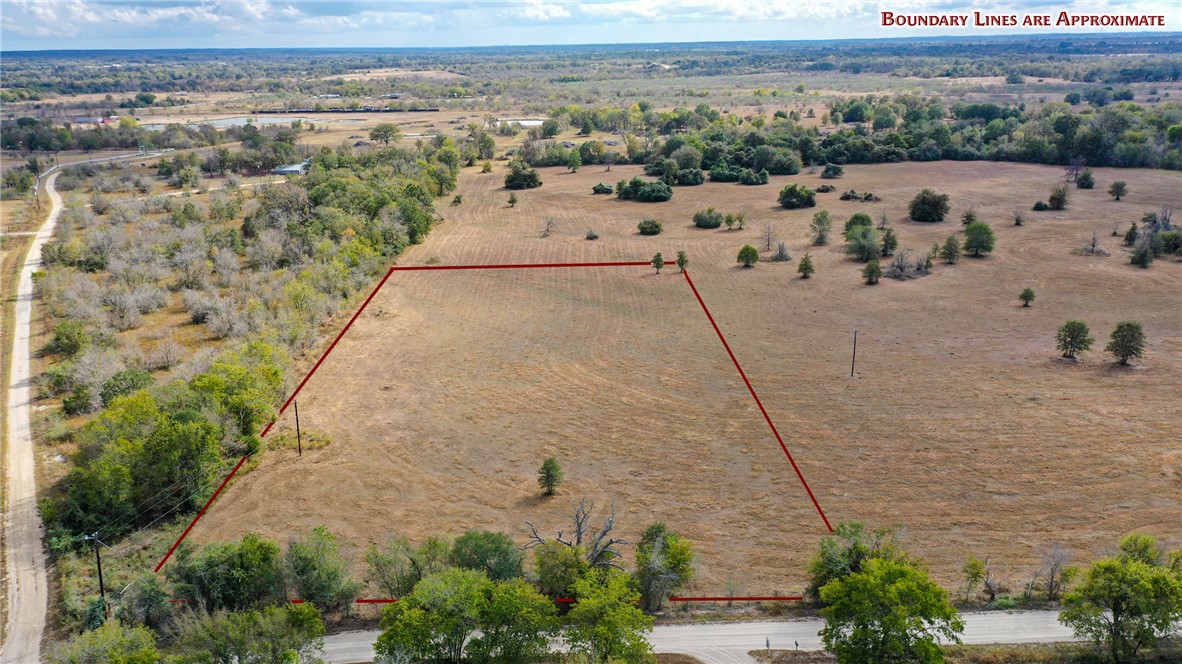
{"x":961,"y":425}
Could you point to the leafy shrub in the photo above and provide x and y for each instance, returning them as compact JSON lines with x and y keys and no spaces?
{"x":794,"y":196}
{"x":826,"y":188}
{"x":723,"y":173}
{"x":708,"y":218}
{"x":858,"y":219}
{"x":1040,"y":207}
{"x":748,"y":256}
{"x":643,"y":191}
{"x":832,"y":171}
{"x":69,"y":338}
{"x":749,"y":177}
{"x":929,"y":206}
{"x":649,"y":226}
{"x":690,"y":177}
{"x":521,"y":176}
{"x":123,"y":383}
{"x":1085,"y":179}
{"x":1058,"y":197}
{"x":602,"y":188}
{"x":592,"y":235}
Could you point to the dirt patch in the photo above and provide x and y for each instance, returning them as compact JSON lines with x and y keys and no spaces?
{"x":959,"y":425}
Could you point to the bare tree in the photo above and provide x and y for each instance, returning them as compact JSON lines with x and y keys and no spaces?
{"x":992,"y":582}
{"x":600,"y":546}
{"x":769,"y":236}
{"x":549,"y":228}
{"x":1054,"y":570}
{"x":1076,"y":165}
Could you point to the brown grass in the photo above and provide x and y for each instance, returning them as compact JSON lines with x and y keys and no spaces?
{"x":961,"y":424}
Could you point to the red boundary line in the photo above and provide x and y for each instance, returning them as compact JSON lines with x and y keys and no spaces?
{"x":199,"y":514}
{"x":757,"y":401}
{"x":341,"y":334}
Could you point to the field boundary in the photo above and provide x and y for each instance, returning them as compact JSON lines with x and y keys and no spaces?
{"x":520,"y":266}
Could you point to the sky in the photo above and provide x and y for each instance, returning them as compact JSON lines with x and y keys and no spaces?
{"x":154,"y":24}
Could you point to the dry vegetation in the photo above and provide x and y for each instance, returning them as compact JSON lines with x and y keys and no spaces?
{"x":961,"y":424}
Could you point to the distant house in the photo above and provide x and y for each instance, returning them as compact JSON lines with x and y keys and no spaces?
{"x":292,"y":169}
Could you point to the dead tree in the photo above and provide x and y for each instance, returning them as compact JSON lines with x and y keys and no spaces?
{"x":1054,"y":563}
{"x":993,"y":584}
{"x":1094,"y":245}
{"x":598,"y":546}
{"x":1076,"y":165}
{"x":769,"y":236}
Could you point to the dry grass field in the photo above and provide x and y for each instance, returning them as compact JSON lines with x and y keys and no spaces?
{"x":961,"y":424}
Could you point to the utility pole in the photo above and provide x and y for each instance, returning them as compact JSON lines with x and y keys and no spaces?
{"x":854,"y":358}
{"x":98,"y":559}
{"x":299,"y":441}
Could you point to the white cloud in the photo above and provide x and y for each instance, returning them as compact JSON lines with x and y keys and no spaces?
{"x":539,"y":10}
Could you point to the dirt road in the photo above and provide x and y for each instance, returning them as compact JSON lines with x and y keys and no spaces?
{"x":26,"y":580}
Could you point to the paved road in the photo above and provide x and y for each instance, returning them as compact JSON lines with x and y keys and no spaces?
{"x":26,"y":581}
{"x":729,"y":643}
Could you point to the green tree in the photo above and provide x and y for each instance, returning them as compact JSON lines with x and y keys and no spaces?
{"x":682,"y":260}
{"x":396,"y":566}
{"x":1118,"y":189}
{"x":979,"y":238}
{"x":748,"y":256}
{"x":806,"y":269}
{"x":558,"y":567}
{"x":605,"y":624}
{"x":872,"y":272}
{"x":288,"y":634}
{"x":573,"y":162}
{"x":550,"y":476}
{"x":820,"y":227}
{"x":863,"y":243}
{"x":794,"y":196}
{"x":888,"y":612}
{"x":316,"y":572}
{"x":386,"y":133}
{"x":1085,"y":180}
{"x":123,"y":383}
{"x":846,"y":550}
{"x":69,"y":338}
{"x":227,"y":575}
{"x":1026,"y":296}
{"x":890,"y":242}
{"x":459,"y":614}
{"x":1058,"y":197}
{"x":974,"y":573}
{"x":664,"y":563}
{"x":649,"y":226}
{"x":1128,"y":341}
{"x":658,"y":262}
{"x":112,"y":643}
{"x":950,"y":252}
{"x":1073,"y":338}
{"x":929,"y":206}
{"x":494,"y":554}
{"x":1128,"y":601}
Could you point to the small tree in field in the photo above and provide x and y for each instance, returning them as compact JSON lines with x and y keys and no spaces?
{"x":550,"y":476}
{"x":1128,"y":341}
{"x":1027,"y":296}
{"x":820,"y":227}
{"x":1073,"y":338}
{"x":682,"y":261}
{"x":872,"y":272}
{"x":658,"y":262}
{"x":979,"y":238}
{"x":512,"y":200}
{"x":1058,"y":197}
{"x":806,"y":269}
{"x":1118,"y":189}
{"x":1085,"y":179}
{"x":748,"y":256}
{"x":950,"y":252}
{"x":890,"y":242}
{"x":929,"y":206}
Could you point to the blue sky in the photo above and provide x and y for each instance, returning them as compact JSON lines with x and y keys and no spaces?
{"x":136,"y":24}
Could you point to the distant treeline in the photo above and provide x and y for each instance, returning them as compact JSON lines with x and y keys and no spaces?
{"x":1085,"y":58}
{"x":873,"y":129}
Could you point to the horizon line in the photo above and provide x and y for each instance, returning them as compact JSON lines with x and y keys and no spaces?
{"x":965,"y":37}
